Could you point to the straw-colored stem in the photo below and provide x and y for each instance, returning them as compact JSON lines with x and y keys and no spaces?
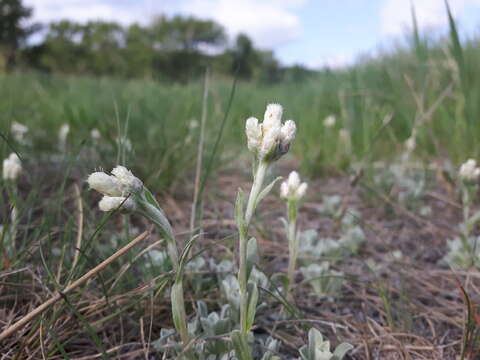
{"x":201,"y":142}
{"x":59,"y":295}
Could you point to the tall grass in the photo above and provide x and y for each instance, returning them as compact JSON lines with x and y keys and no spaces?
{"x":430,"y":84}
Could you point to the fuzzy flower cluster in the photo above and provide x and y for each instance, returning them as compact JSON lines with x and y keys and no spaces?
{"x":12,"y":167}
{"x":329,"y":121}
{"x":116,"y":188}
{"x":270,"y":139}
{"x":18,"y":131}
{"x":469,"y":171}
{"x":292,"y":189}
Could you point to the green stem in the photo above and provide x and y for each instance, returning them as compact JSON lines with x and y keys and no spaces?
{"x":292,"y":244}
{"x":243,"y":234}
{"x":177,"y":294}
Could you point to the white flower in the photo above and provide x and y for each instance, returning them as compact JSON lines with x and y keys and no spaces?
{"x":129,"y":183}
{"x":410,"y":144}
{"x":288,"y":131}
{"x":270,"y":139}
{"x":272,"y":117}
{"x":121,"y":183}
{"x":193,"y":124}
{"x":18,"y":131}
{"x":12,"y":167}
{"x":104,"y":184}
{"x":62,"y":135}
{"x":110,"y":203}
{"x":292,"y":189}
{"x":469,"y":171}
{"x":254,"y":134}
{"x":95,"y":134}
{"x":329,"y":121}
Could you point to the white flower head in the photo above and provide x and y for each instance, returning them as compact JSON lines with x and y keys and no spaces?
{"x":193,"y":124}
{"x":12,"y":167}
{"x":104,"y":183}
{"x":273,"y":116}
{"x":288,"y":131}
{"x":110,"y":203}
{"x":63,"y":134}
{"x":95,"y":134}
{"x":410,"y":144}
{"x":292,"y":189}
{"x":18,"y":131}
{"x":129,"y":183}
{"x":254,"y":134}
{"x":121,"y":183}
{"x":469,"y":171}
{"x":329,"y":121}
{"x":270,"y":140}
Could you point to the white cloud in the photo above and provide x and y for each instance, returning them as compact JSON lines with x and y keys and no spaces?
{"x":396,"y":15}
{"x":269,"y":23}
{"x":124,"y":12}
{"x":331,"y":61}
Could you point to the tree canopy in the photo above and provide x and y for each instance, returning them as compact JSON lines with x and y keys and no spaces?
{"x":176,"y":48}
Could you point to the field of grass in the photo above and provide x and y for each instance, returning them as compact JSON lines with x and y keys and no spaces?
{"x":388,"y":260}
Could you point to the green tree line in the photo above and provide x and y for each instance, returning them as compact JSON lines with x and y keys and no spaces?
{"x":174,"y":48}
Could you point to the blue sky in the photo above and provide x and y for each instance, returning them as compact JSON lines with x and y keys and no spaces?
{"x":310,"y":32}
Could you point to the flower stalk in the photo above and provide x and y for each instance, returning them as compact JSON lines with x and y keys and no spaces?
{"x":268,"y":141}
{"x":258,"y":180}
{"x":125,"y":192}
{"x":292,"y":191}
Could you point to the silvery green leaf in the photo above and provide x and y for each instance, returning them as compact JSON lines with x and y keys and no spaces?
{"x":252,"y":255}
{"x":252,"y":305}
{"x":240,"y":344}
{"x":304,"y":352}
{"x":239,"y":210}
{"x":284,"y":223}
{"x":266,"y":190}
{"x":341,"y":350}
{"x":178,"y":303}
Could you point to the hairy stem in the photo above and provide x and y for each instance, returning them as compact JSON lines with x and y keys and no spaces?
{"x":179,"y":313}
{"x":243,"y":237}
{"x":292,"y":244}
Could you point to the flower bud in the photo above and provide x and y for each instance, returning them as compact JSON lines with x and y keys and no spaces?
{"x":128,"y":182}
{"x":329,"y":121}
{"x":110,"y":203}
{"x":62,"y":135}
{"x":270,"y":140}
{"x":292,"y":189}
{"x":273,"y":116}
{"x":104,"y":184}
{"x":254,"y":134}
{"x":288,"y":131}
{"x":95,"y":134}
{"x":410,"y":144}
{"x":469,"y":171}
{"x":18,"y":131}
{"x":12,"y":167}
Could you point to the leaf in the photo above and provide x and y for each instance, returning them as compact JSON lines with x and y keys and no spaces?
{"x":252,"y":305}
{"x":240,"y":344}
{"x":341,"y":350}
{"x":239,"y":214}
{"x":183,"y":258}
{"x":266,"y":190}
{"x":252,"y":255}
